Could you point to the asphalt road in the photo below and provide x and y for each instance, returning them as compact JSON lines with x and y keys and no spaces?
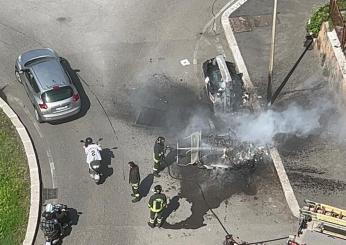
{"x":128,"y":55}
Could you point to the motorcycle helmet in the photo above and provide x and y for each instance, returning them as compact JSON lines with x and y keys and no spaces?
{"x":49,"y":208}
{"x":158,"y":189}
{"x":88,"y":141}
{"x":160,"y":140}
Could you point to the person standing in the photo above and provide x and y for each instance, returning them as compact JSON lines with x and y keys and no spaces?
{"x":157,"y":204}
{"x":159,"y":155}
{"x":134,"y":180}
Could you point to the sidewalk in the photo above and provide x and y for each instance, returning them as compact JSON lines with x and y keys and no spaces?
{"x":315,"y":164}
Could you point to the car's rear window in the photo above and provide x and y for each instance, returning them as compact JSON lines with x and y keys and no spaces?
{"x":58,"y":94}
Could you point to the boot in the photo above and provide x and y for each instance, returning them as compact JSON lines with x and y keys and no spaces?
{"x":156,"y":174}
{"x":133,"y":195}
{"x":151,"y":225}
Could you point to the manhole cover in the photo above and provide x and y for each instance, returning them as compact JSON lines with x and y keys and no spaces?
{"x":248,"y":23}
{"x":241,"y":23}
{"x":150,"y":117}
{"x":49,"y":193}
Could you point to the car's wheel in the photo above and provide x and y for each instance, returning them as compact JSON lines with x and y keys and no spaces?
{"x":16,"y":72}
{"x":37,"y":116}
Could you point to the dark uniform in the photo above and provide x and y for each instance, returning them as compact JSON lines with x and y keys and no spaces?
{"x":159,"y":155}
{"x":157,"y":204}
{"x":134,"y":180}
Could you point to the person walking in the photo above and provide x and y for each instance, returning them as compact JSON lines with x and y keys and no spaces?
{"x":159,"y":155}
{"x":134,"y":180}
{"x":157,"y":204}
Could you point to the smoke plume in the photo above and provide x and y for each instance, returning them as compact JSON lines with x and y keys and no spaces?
{"x":295,"y":120}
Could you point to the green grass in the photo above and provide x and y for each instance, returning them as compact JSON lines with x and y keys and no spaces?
{"x":14,"y":185}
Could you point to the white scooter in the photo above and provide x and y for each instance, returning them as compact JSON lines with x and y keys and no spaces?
{"x":94,"y":153}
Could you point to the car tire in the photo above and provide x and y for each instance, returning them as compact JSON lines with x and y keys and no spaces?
{"x":16,"y":72}
{"x":37,"y":116}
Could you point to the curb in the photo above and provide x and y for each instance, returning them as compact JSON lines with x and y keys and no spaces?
{"x":35,"y":184}
{"x":280,"y":169}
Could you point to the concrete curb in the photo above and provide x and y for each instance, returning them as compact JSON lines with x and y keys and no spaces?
{"x":35,"y":184}
{"x":232,"y":42}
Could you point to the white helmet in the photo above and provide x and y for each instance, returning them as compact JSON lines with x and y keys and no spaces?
{"x":49,"y":207}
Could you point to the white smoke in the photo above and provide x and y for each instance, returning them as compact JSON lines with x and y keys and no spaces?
{"x":261,"y":128}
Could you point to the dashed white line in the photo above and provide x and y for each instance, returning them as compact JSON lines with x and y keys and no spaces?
{"x":52,"y":166}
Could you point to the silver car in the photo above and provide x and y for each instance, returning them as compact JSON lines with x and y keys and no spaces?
{"x":47,"y":84}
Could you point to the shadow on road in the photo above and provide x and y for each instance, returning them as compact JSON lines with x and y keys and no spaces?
{"x":106,"y":169}
{"x":145,"y":185}
{"x":2,"y":94}
{"x":73,"y":220}
{"x":171,"y":207}
{"x":206,"y":190}
{"x":85,"y":102}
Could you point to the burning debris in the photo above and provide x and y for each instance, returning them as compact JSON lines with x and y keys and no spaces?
{"x":215,"y":151}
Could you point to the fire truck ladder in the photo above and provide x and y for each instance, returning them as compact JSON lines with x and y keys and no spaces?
{"x":325,"y":219}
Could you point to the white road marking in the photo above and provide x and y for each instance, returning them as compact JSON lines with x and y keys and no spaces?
{"x":27,"y":112}
{"x":185,"y":62}
{"x":280,"y":169}
{"x":52,"y":167}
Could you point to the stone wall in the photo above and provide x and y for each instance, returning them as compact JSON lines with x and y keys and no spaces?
{"x":332,"y":59}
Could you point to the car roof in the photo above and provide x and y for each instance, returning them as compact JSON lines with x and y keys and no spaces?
{"x":49,"y":73}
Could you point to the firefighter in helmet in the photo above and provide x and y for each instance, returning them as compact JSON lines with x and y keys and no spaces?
{"x":159,"y":155}
{"x":157,"y":204}
{"x":134,"y":180}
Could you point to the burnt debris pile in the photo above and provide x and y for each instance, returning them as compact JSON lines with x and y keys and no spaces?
{"x":229,"y":153}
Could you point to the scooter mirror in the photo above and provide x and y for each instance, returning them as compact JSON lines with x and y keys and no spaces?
{"x":82,"y":141}
{"x":100,"y":139}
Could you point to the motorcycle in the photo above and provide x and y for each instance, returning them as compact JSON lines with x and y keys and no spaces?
{"x":61,"y":218}
{"x":95,"y":165}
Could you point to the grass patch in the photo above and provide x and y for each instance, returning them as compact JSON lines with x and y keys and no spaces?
{"x":14,"y":185}
{"x":317,"y":18}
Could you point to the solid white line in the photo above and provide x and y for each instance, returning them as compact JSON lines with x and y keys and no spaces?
{"x":280,"y":169}
{"x":52,"y":167}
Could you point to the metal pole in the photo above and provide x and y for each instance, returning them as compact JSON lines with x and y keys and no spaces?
{"x":271,"y":61}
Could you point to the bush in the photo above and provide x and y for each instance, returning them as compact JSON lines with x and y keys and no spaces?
{"x":317,"y":18}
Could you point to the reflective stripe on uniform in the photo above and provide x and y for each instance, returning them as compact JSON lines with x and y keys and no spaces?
{"x":156,"y":203}
{"x":155,"y":160}
{"x":152,"y":221}
{"x":134,"y":186}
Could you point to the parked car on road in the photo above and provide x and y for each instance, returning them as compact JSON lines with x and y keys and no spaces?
{"x":48,"y":85}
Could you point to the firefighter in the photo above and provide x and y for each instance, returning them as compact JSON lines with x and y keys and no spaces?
{"x":159,"y":155}
{"x":134,"y":180}
{"x":157,"y":204}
